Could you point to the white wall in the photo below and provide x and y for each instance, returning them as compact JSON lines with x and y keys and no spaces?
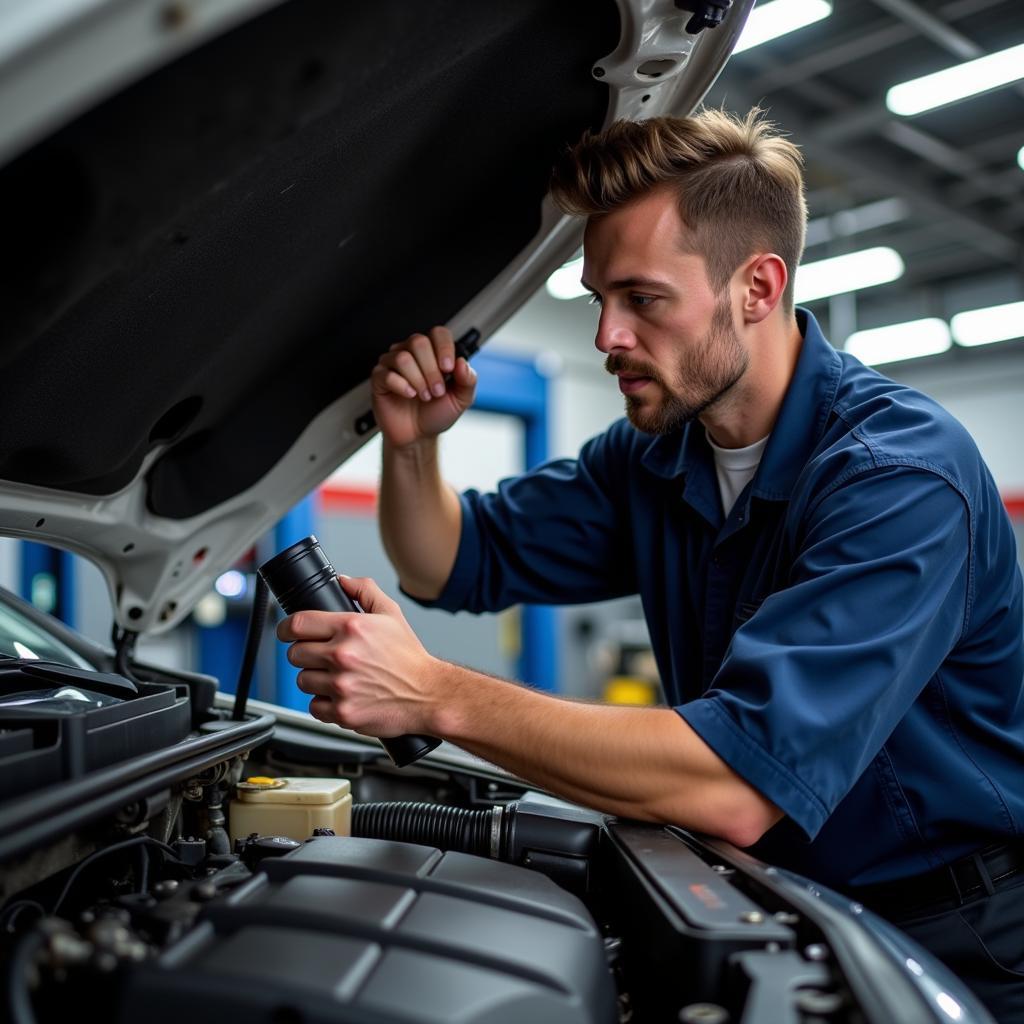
{"x":479,"y":450}
{"x":584,"y":399}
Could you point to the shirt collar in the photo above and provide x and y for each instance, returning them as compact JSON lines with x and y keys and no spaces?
{"x":799,"y":427}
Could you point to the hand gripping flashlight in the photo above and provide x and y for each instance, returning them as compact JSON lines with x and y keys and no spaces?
{"x":302,"y":578}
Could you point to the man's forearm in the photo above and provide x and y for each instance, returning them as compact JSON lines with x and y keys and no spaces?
{"x":420,"y":517}
{"x":645,"y":763}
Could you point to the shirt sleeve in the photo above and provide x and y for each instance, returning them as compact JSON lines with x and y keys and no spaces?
{"x":814,"y":683}
{"x":556,"y":535}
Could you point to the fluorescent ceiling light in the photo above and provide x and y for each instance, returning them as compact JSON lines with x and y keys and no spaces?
{"x":776,"y":18}
{"x":564,"y":283}
{"x":849,"y":273}
{"x":1020,"y":158}
{"x":909,"y":340}
{"x":985,"y":326}
{"x":958,"y":82}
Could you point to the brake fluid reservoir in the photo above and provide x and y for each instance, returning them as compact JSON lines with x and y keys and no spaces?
{"x":291,"y":806}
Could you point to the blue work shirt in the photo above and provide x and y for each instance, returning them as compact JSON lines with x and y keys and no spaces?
{"x":848,"y":639}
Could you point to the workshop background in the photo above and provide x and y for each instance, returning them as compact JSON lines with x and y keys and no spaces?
{"x":922,"y":214}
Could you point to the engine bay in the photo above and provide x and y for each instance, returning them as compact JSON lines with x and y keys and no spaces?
{"x":459,"y":894}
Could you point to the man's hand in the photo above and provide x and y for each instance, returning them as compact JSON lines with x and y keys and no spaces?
{"x":365,"y":671}
{"x":410,"y":398}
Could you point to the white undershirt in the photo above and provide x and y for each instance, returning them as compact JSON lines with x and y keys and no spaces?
{"x":735,"y":468}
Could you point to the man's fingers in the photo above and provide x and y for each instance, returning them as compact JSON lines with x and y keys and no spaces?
{"x":464,"y":381}
{"x":317,"y":683}
{"x":311,"y":625}
{"x":444,"y":348}
{"x":389,"y":382}
{"x":320,"y":709}
{"x":423,"y":349}
{"x":369,"y":595}
{"x":330,"y":656}
{"x":421,"y":362}
{"x":406,"y":365}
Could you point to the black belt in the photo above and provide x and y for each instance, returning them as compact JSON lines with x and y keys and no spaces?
{"x":953,"y":884}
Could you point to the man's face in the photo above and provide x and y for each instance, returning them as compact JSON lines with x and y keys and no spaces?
{"x":668,"y":337}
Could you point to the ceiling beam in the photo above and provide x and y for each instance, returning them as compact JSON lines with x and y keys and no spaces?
{"x":938,"y":30}
{"x":847,"y":120}
{"x":890,"y":177}
{"x":865,"y":41}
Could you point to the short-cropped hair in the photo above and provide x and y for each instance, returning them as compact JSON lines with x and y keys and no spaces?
{"x":738,"y":181}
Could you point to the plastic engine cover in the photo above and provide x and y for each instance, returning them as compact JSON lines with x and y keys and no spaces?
{"x":369,"y":930}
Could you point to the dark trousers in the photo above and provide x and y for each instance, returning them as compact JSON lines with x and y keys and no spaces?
{"x":981,"y":941}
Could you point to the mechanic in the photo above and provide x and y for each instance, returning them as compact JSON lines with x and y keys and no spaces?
{"x":827,"y":571}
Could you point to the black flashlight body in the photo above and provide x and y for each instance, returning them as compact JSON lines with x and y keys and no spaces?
{"x":302,"y":579}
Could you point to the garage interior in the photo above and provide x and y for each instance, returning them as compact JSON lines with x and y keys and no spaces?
{"x":914,"y":263}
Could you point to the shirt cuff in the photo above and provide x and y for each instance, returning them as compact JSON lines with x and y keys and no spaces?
{"x":463,"y":577}
{"x":708,"y":717}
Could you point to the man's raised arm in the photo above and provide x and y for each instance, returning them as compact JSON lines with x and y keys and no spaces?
{"x":420,"y":515}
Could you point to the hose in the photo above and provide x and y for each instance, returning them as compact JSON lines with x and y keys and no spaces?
{"x":448,"y":828}
{"x":126,"y":844}
{"x":19,"y":1001}
{"x":260,"y":599}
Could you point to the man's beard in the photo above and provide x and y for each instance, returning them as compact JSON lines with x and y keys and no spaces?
{"x":703,"y":376}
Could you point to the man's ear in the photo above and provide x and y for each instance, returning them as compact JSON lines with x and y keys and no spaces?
{"x":763,"y":279}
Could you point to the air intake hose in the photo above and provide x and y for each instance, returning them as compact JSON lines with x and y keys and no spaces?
{"x":448,"y":828}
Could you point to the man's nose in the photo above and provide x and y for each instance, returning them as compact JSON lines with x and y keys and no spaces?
{"x":612,"y":334}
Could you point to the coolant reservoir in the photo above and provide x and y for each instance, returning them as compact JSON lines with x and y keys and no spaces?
{"x":290,"y":806}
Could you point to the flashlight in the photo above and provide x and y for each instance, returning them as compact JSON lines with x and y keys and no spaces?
{"x":302,"y":579}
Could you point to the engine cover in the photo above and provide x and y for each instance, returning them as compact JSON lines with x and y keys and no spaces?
{"x":369,"y":930}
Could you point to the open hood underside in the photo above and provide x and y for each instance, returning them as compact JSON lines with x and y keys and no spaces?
{"x":203,"y":262}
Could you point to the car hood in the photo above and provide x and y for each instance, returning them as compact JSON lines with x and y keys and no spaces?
{"x":218,"y":216}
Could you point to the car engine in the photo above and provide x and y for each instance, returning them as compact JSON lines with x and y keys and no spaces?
{"x":283,"y":869}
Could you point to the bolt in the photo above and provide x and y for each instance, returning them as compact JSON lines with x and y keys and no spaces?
{"x":752,"y":917}
{"x":166,"y":888}
{"x":174,"y":16}
{"x":785,"y":917}
{"x":703,"y":1013}
{"x":599,"y":72}
{"x":816,"y":951}
{"x":720,"y":869}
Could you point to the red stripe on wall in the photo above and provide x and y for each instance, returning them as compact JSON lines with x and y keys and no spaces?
{"x":354,"y":500}
{"x":1014,"y":505}
{"x":363,"y":500}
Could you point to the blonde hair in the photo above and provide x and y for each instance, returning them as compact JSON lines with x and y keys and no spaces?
{"x":738,"y":182}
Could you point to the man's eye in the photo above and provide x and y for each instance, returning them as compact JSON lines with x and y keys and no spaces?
{"x":594,"y":300}
{"x":641,"y":300}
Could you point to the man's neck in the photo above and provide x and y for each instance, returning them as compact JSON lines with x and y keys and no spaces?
{"x":748,"y":412}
